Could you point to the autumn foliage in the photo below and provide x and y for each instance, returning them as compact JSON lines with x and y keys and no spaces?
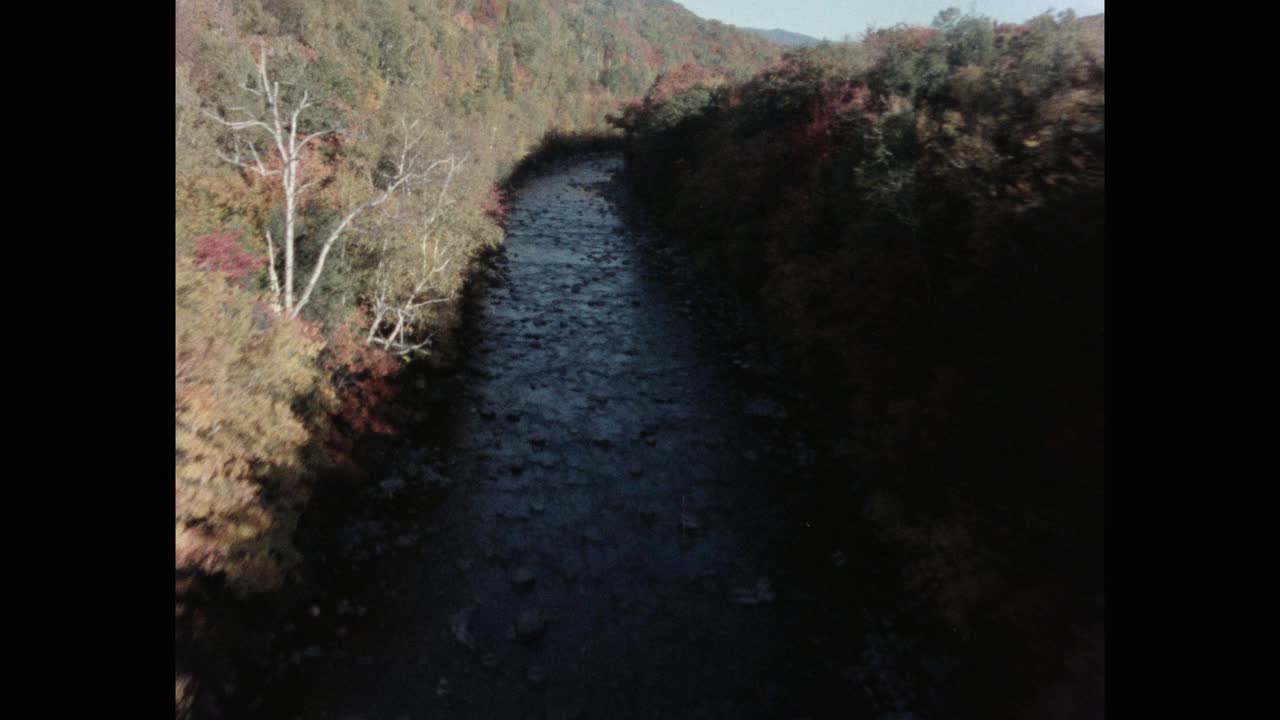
{"x":239,"y":480}
{"x":918,"y":221}
{"x":362,"y":377}
{"x":222,"y":253}
{"x":263,"y":403}
{"x":495,"y":204}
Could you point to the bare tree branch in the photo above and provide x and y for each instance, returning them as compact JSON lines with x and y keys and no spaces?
{"x":271,"y":268}
{"x":285,"y":138}
{"x":337,"y":233}
{"x":406,"y":314}
{"x":396,"y":316}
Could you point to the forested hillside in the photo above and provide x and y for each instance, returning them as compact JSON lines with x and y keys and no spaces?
{"x":917,"y":220}
{"x":339,"y":167}
{"x":912,"y":228}
{"x":784,"y":37}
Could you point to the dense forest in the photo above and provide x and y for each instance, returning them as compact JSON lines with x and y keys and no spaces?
{"x":914,"y":222}
{"x":917,"y":220}
{"x":339,"y":168}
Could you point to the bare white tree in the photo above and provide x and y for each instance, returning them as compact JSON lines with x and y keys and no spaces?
{"x":279,"y":127}
{"x":397,"y":312}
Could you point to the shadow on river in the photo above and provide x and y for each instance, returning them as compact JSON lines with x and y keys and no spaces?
{"x":616,"y":528}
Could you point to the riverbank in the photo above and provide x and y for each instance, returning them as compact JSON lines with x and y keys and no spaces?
{"x":616,"y":512}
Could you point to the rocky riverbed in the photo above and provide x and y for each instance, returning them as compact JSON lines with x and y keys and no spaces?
{"x":613,"y":521}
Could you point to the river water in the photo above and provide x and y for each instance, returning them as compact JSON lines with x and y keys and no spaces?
{"x":608,"y":531}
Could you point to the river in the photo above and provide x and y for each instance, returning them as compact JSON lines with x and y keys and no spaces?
{"x":612,"y":528}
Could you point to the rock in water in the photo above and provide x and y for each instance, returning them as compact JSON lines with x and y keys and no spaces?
{"x":764,"y":590}
{"x":764,"y":407}
{"x":459,"y":624}
{"x":530,"y":624}
{"x":761,"y":594}
{"x":523,"y":578}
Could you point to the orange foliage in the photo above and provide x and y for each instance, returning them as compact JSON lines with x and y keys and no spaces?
{"x":464,"y":20}
{"x":239,"y":371}
{"x":523,"y":78}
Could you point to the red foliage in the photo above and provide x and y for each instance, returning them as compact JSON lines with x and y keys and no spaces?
{"x":489,"y":12}
{"x":832,"y":101}
{"x":676,"y":81}
{"x":313,"y":166}
{"x":653,"y":56}
{"x":494,"y":204}
{"x":464,"y":20}
{"x":221,"y":252}
{"x":363,"y":382}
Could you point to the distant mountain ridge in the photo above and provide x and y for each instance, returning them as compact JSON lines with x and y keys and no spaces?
{"x":786,"y":38}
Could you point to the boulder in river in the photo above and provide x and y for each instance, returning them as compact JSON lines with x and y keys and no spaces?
{"x":460,"y":627}
{"x":761,"y":594}
{"x":764,"y":407}
{"x":523,"y":577}
{"x":530,"y":624}
{"x":313,"y":651}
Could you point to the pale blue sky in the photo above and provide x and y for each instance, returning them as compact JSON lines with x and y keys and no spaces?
{"x":833,"y":19}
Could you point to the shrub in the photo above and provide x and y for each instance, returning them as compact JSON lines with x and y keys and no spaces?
{"x":240,"y":372}
{"x":362,"y":380}
{"x":221,"y":253}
